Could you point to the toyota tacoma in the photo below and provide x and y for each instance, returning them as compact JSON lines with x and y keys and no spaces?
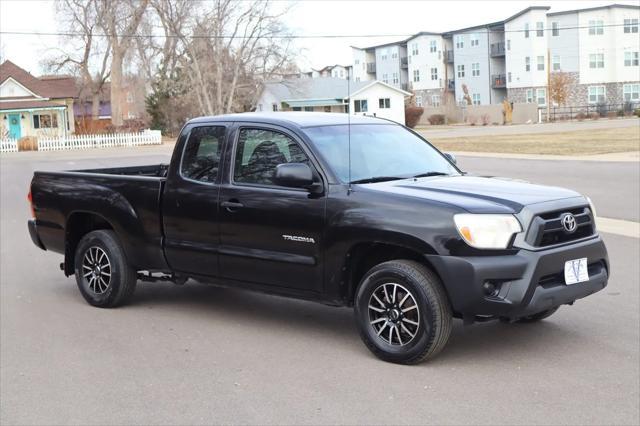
{"x":347,"y":211}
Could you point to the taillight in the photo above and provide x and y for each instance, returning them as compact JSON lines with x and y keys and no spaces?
{"x":30,"y":199}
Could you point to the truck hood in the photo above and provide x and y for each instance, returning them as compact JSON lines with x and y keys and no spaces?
{"x":474,"y":193}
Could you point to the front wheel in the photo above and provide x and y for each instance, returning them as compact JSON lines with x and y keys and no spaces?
{"x":103,"y":274}
{"x":403,"y":312}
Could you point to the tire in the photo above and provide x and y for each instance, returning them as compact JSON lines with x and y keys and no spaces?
{"x":103,"y":275}
{"x":414,"y":285}
{"x":539,"y":316}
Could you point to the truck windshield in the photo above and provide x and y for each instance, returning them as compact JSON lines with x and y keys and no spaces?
{"x":378,"y":152}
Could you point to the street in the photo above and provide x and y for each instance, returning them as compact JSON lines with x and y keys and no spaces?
{"x":198,"y":354}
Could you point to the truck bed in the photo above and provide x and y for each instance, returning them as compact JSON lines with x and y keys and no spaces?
{"x":126,"y":199}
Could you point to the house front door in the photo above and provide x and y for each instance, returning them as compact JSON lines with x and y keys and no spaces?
{"x":15,"y":131}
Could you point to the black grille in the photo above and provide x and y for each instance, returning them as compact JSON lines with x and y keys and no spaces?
{"x":547,"y":230}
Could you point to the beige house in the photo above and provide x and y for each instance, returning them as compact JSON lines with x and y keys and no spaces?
{"x":35,"y":106}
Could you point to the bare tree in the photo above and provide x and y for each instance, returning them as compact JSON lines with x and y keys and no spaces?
{"x":121,"y":19}
{"x":91,"y":60}
{"x":560,"y":84}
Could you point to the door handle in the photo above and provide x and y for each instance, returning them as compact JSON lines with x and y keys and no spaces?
{"x":232,"y":205}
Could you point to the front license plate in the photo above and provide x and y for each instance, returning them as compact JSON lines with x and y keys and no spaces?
{"x":576,"y":271}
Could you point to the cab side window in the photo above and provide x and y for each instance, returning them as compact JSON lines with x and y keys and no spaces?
{"x":259,"y":152}
{"x":201,"y":158}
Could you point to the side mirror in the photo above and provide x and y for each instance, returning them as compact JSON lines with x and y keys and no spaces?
{"x":293,"y":175}
{"x":451,"y":157}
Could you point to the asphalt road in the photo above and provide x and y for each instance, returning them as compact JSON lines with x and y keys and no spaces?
{"x":198,"y":354}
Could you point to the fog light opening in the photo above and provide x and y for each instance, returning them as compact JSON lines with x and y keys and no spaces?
{"x":491,"y":288}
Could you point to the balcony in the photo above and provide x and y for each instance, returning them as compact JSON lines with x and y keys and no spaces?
{"x":499,"y":81}
{"x":371,"y":68}
{"x":451,"y":84}
{"x":497,"y":50}
{"x":448,"y":56}
{"x":404,"y":63}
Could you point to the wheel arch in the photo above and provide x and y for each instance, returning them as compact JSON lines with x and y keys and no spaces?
{"x":363,"y":256}
{"x":77,"y":225}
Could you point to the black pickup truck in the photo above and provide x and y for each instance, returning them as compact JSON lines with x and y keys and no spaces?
{"x":355,"y":212}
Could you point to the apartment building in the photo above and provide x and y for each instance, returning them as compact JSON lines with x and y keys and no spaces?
{"x":485,"y":64}
{"x":599,"y":47}
{"x":386,"y":63}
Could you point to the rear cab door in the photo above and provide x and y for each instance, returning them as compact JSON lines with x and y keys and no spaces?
{"x":190,"y":200}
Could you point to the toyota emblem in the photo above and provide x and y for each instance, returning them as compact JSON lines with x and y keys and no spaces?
{"x":569,"y":222}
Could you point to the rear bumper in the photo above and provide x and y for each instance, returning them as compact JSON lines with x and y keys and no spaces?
{"x":33,"y":233}
{"x":526,"y":283}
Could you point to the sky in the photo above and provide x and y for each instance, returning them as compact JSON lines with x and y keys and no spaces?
{"x":306,"y":17}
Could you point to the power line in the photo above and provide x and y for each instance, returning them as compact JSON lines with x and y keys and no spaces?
{"x":296,"y":36}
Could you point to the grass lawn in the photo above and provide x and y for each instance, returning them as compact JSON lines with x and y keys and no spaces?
{"x":579,"y":142}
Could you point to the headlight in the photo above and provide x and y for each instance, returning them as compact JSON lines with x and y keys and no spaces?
{"x":593,"y":211}
{"x":487,"y":231}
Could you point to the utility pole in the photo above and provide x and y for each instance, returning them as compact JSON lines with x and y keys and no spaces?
{"x":548,"y":85}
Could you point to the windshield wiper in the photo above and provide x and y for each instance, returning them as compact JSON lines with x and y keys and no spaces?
{"x":377,"y":179}
{"x":431,"y":174}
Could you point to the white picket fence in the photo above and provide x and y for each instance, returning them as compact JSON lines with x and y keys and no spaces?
{"x":147,"y":137}
{"x":9,"y":145}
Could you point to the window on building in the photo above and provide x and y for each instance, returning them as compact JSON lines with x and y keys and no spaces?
{"x":597,"y":94}
{"x":357,"y":78}
{"x":327,"y":108}
{"x":434,"y":73}
{"x":596,"y":27}
{"x":475,"y":39}
{"x":384,"y":103}
{"x":539,"y":29}
{"x":475,"y":69}
{"x":529,"y":95}
{"x":394,"y":55}
{"x":45,"y":121}
{"x":414,"y":49}
{"x":201,"y":158}
{"x":385,"y":78}
{"x":475,"y":98}
{"x":555,"y":29}
{"x":555,"y":63}
{"x":395,"y":78}
{"x":460,"y":70}
{"x":433,"y":46}
{"x":631,"y":92}
{"x":274,"y":107}
{"x":631,"y":59}
{"x":541,"y":96}
{"x":526,"y":30}
{"x":416,"y":75}
{"x":356,"y":62}
{"x":435,"y":100}
{"x":527,"y":63}
{"x":129,"y":97}
{"x":383,"y":55}
{"x":596,"y":60}
{"x":459,"y":42}
{"x":630,"y":26}
{"x":540,"y":60}
{"x":509,"y":44}
{"x":341,"y":73}
{"x":509,"y":77}
{"x":308,"y":109}
{"x":419,"y":100}
{"x":360,"y":105}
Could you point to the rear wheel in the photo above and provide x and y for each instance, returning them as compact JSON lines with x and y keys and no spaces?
{"x":403,"y":313}
{"x":103,"y":274}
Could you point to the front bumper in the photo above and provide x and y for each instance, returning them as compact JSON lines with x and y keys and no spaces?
{"x":526,"y":283}
{"x":33,"y":233}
